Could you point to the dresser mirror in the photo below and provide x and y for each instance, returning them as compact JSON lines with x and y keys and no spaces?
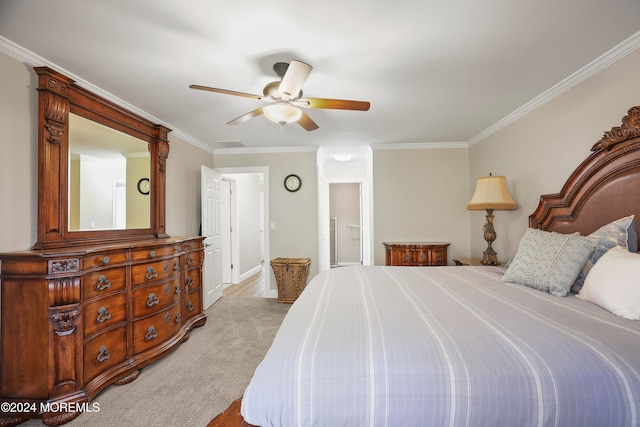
{"x":105,"y":168}
{"x":101,"y":168}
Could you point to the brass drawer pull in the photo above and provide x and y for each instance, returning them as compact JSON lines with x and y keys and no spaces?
{"x":152,"y":254}
{"x":103,"y":315}
{"x":178,"y":318}
{"x":152,"y":300}
{"x":176,"y":265}
{"x":167,"y":289}
{"x":189,"y":260}
{"x":105,"y":260}
{"x":103,"y":283}
{"x":103,"y":354}
{"x":189,"y":281}
{"x":177,"y":289}
{"x":190,"y":306}
{"x":151,"y":334}
{"x":167,"y":317}
{"x":151,"y":273}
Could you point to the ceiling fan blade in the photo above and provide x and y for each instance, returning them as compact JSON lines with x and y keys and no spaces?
{"x":335,"y":104}
{"x":293,"y":79}
{"x":225,"y":91}
{"x":306,"y":122}
{"x":245,"y":117}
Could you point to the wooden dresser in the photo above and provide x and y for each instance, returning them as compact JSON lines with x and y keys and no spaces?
{"x":104,"y":291}
{"x":415,"y":253}
{"x":76,"y":320}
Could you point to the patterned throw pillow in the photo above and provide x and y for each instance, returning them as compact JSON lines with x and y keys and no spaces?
{"x":621,"y":233}
{"x":549,"y":261}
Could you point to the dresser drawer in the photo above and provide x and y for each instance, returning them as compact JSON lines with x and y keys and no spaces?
{"x":192,"y":304}
{"x":149,"y":299}
{"x":156,"y":329}
{"x":191,"y":260}
{"x":103,"y":313}
{"x":102,"y":282}
{"x":191,"y":245}
{"x":154,"y":252}
{"x":429,"y":257}
{"x":154,"y":271}
{"x":104,"y":351}
{"x":105,"y":259}
{"x":192,"y":280}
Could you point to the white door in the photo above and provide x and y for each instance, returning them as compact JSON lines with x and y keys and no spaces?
{"x":212,"y":231}
{"x":226,"y":232}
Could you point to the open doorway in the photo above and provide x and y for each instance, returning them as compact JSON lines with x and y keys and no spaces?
{"x":345,"y":240}
{"x":245,"y":217}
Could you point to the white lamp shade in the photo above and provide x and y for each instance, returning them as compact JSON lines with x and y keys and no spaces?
{"x":282,"y":113}
{"x":491,"y":193}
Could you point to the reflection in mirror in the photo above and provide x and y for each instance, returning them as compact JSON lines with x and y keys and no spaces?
{"x":105,"y":167}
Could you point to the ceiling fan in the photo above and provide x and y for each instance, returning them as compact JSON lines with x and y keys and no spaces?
{"x":285,"y":98}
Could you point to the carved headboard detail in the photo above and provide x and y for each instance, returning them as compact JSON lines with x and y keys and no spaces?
{"x":605,"y":187}
{"x":629,"y":129}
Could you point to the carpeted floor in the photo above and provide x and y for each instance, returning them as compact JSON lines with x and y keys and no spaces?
{"x":201,"y":378}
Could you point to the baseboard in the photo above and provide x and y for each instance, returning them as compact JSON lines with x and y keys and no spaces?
{"x":255,"y":270}
{"x":270,"y":293}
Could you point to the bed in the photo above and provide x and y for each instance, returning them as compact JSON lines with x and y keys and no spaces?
{"x":478,"y":346}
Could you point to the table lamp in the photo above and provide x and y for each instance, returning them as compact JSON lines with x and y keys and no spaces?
{"x":491,"y":194}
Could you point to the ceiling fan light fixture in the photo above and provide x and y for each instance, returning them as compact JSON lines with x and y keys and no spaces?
{"x":282,"y":113}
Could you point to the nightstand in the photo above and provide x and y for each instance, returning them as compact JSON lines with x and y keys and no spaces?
{"x":416,"y":253}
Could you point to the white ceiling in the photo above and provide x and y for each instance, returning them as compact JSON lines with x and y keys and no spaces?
{"x":435,"y":71}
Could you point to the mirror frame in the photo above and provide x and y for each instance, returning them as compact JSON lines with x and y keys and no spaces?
{"x":58,"y":95}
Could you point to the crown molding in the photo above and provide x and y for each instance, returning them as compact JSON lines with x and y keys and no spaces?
{"x":595,"y":66}
{"x":417,"y":145}
{"x":265,"y":150}
{"x":31,"y":59}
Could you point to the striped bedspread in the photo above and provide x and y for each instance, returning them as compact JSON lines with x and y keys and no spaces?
{"x":444,"y":346}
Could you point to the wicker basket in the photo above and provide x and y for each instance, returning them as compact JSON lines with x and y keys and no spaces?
{"x":291,"y":276}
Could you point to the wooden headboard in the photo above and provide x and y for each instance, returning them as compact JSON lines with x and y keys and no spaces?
{"x":605,"y":187}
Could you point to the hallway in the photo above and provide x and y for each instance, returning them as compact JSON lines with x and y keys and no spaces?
{"x":251,"y":287}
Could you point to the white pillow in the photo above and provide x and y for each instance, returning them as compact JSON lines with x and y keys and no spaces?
{"x":614,"y":283}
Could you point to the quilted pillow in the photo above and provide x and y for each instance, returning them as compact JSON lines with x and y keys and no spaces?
{"x":549,"y":261}
{"x":617,"y":233}
{"x":614,"y":283}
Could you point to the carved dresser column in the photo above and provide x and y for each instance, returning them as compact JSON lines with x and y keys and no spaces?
{"x":53,"y":105}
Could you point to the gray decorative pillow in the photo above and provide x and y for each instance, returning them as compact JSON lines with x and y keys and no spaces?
{"x":549,"y":261}
{"x":621,"y":233}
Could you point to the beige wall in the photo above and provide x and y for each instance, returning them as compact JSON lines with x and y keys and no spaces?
{"x":183,"y":186}
{"x":538,"y":152}
{"x":19,"y":155}
{"x":295,"y":214}
{"x":18,"y":165}
{"x":420,"y":195}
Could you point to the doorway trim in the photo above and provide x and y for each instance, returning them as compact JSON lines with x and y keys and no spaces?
{"x":264,"y":170}
{"x":366,"y":222}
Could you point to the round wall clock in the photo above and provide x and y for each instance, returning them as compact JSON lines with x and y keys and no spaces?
{"x":292,"y":182}
{"x":144,"y":186}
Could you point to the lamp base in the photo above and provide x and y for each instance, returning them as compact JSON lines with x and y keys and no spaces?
{"x":489,"y":255}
